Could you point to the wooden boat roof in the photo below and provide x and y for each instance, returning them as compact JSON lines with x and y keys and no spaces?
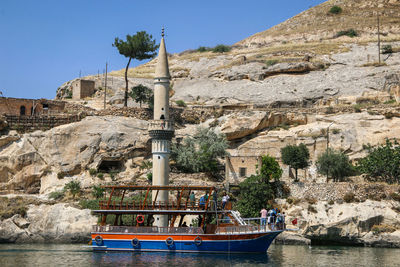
{"x":172,"y":212}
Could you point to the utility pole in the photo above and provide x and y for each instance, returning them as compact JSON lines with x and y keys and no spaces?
{"x":105,"y":88}
{"x":379,"y":41}
{"x":80,"y":73}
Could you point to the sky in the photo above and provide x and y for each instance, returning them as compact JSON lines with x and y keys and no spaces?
{"x":44,"y":43}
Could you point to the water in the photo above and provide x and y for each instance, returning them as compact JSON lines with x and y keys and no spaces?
{"x":278,"y":255}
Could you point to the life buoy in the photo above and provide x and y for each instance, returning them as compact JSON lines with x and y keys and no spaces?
{"x":140,"y":219}
{"x":135,"y":242}
{"x":198,"y":241}
{"x":99,"y":240}
{"x":169,"y":241}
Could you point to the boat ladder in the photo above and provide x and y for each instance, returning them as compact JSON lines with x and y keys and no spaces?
{"x":237,"y":217}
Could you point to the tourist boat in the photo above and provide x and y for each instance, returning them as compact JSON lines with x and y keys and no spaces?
{"x":217,"y":231}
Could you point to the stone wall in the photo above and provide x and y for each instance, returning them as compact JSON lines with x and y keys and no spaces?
{"x":337,"y":191}
{"x":234,"y":164}
{"x":29,"y":107}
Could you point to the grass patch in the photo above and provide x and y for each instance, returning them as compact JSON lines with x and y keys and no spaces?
{"x":374,"y":64}
{"x":57,"y":195}
{"x":390,"y":102}
{"x":180,"y":103}
{"x":395,"y":196}
{"x":383,"y":228}
{"x":271,"y":62}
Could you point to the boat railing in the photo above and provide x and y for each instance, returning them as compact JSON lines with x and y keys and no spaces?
{"x":241,"y":229}
{"x":147,"y":230}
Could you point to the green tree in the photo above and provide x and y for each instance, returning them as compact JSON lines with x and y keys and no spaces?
{"x":382,"y":162}
{"x":200,"y":152}
{"x":297,"y":157}
{"x":269,"y":169}
{"x":141,"y":93}
{"x":140,"y":46}
{"x":254,"y":195}
{"x":74,"y":187}
{"x":335,"y":164}
{"x":97,"y":191}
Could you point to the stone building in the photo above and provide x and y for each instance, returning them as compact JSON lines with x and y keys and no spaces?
{"x":82,"y":89}
{"x":30,"y":107}
{"x":237,"y":168}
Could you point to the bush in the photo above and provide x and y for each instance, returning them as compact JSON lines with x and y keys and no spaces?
{"x":293,"y":200}
{"x":349,"y":197}
{"x":97,"y":191}
{"x":331,"y":202}
{"x":56,"y":195}
{"x":329,"y":110}
{"x":310,"y":200}
{"x":68,"y":93}
{"x":336,"y":164}
{"x":92,"y":172}
{"x":100,"y":175}
{"x":377,"y":229}
{"x":180,"y":103}
{"x":60,"y":175}
{"x":202,"y":49}
{"x":335,"y":131}
{"x":221,"y":48}
{"x":150,"y":177}
{"x":92,"y":204}
{"x":335,"y":10}
{"x":350,"y":33}
{"x":74,"y":187}
{"x":387,"y":49}
{"x":271,"y":62}
{"x":311,"y":209}
{"x":382,"y":163}
{"x":357,"y":108}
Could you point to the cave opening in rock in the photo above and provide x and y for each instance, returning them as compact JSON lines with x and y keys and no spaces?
{"x":108,"y":165}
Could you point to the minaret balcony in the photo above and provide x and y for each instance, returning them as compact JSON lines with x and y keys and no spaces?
{"x":161,"y":129}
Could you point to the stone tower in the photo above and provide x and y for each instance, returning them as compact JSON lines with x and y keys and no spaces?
{"x":161,"y":130}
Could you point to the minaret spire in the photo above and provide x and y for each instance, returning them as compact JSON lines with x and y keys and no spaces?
{"x":161,"y":130}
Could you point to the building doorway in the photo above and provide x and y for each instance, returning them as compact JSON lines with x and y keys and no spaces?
{"x":22,"y":111}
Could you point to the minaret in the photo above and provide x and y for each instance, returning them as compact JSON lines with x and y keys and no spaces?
{"x":161,"y":130}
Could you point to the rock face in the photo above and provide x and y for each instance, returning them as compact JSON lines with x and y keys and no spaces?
{"x":59,"y":223}
{"x":35,"y":159}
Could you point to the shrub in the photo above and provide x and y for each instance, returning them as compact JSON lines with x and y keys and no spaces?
{"x":97,"y":191}
{"x":180,"y":103}
{"x":348,"y":197}
{"x":357,"y":108}
{"x":74,"y":187}
{"x":335,"y":10}
{"x":150,"y":177}
{"x":331,"y":202}
{"x":311,"y":209}
{"x":92,"y":204}
{"x":293,"y":200}
{"x":92,"y":172}
{"x":100,"y":175}
{"x":350,"y":33}
{"x":56,"y":195}
{"x":390,"y":102}
{"x":68,"y":93}
{"x":329,"y":110}
{"x":221,"y":48}
{"x":387,"y":49}
{"x":382,"y":163}
{"x":335,"y":131}
{"x":271,"y":62}
{"x":60,"y":175}
{"x":202,"y":49}
{"x":383,"y":228}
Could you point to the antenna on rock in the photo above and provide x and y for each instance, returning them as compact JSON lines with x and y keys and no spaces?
{"x":162,"y":32}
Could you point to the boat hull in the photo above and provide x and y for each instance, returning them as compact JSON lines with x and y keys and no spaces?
{"x":202,"y":243}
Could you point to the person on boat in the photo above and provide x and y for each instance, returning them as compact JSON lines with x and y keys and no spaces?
{"x":225,"y":200}
{"x":184,"y":224}
{"x":263,"y":217}
{"x":192,"y":198}
{"x":202,"y":202}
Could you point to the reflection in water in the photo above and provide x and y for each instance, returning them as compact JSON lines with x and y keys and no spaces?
{"x":278,"y":255}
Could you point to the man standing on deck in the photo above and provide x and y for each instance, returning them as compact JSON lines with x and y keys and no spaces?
{"x":263,"y":217}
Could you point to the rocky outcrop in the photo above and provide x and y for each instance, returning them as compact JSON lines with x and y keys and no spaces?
{"x":41,"y":159}
{"x":59,"y":223}
{"x":369,"y":223}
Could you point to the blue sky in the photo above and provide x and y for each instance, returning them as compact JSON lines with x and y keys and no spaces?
{"x":44,"y":43}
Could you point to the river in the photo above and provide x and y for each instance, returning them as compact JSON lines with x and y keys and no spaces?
{"x":278,"y":255}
